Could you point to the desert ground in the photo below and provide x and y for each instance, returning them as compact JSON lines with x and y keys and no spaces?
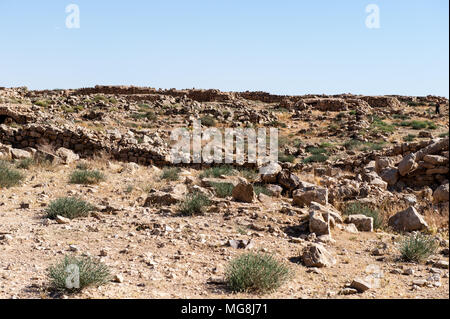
{"x":356,"y":176}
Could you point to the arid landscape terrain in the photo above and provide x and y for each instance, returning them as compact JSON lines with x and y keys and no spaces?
{"x":356,"y":207}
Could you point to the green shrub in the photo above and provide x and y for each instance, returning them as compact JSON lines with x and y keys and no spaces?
{"x":43,"y":103}
{"x":223,"y":190}
{"x":9,"y":177}
{"x":262,"y":189}
{"x":194,"y":204}
{"x":286,"y":158}
{"x":25,"y":163}
{"x":218,"y":171}
{"x":444,"y":134}
{"x":249,"y":174}
{"x":361,"y":209}
{"x":171,"y":173}
{"x":317,"y":158}
{"x":91,"y":273}
{"x":417,"y":247}
{"x":256,"y":273}
{"x":69,"y":207}
{"x":409,"y":137}
{"x":316,"y":150}
{"x":86,"y":177}
{"x":382,"y":126}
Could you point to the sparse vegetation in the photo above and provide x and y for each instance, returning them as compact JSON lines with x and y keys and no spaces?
{"x":90,"y":273}
{"x":284,"y":158}
{"x":222,"y":190}
{"x":316,"y":158}
{"x":69,"y":207}
{"x":86,"y":177}
{"x":218,"y":171}
{"x":25,"y":163}
{"x":9,"y":177}
{"x":417,"y":247}
{"x":194,"y":204}
{"x":358,"y":208}
{"x":256,"y":273}
{"x":171,"y":173}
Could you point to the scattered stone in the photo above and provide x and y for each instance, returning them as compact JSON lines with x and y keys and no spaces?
{"x":315,"y":255}
{"x":408,"y":220}
{"x":362,"y":222}
{"x":360,"y":285}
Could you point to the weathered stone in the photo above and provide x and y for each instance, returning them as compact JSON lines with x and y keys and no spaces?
{"x":20,"y":154}
{"x":243,"y":192}
{"x":362,"y":222}
{"x":407,"y":165}
{"x":408,"y":220}
{"x":67,"y":155}
{"x":441,"y":194}
{"x":317,"y":224}
{"x":315,"y":255}
{"x":302,"y":198}
{"x":390,"y":175}
{"x":162,"y":198}
{"x":270,"y":173}
{"x":288,"y":180}
{"x":360,"y":284}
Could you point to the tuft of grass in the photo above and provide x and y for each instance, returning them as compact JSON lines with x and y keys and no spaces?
{"x":409,"y":138}
{"x":286,"y":158}
{"x":25,"y":163}
{"x":417,"y":247}
{"x":419,"y":125}
{"x":194,"y":204}
{"x":316,"y":150}
{"x":43,"y":103}
{"x":9,"y":177}
{"x":256,"y":273}
{"x":217,"y":171}
{"x":171,"y":173}
{"x":361,"y":209}
{"x":382,"y":126}
{"x":86,"y":177}
{"x":223,"y":190}
{"x":316,"y":158}
{"x":444,"y":134}
{"x":69,"y":207}
{"x":89,"y":271}
{"x":262,"y":189}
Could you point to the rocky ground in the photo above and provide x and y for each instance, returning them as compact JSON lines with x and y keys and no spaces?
{"x":388,"y":153}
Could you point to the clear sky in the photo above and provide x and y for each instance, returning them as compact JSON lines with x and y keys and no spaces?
{"x":283,"y":47}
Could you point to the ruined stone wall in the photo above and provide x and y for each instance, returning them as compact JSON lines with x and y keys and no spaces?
{"x":81,"y":141}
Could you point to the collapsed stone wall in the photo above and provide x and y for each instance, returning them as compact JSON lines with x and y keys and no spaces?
{"x":82,"y":142}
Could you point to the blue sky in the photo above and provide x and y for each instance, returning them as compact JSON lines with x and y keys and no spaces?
{"x":283,"y":47}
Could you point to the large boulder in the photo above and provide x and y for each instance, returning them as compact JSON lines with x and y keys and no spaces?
{"x":441,"y":194}
{"x":390,"y":175}
{"x":408,"y":220}
{"x":20,"y":154}
{"x":243,"y":192}
{"x":318,"y":195}
{"x":68,"y":156}
{"x":327,"y":211}
{"x":317,"y":224}
{"x":407,"y":165}
{"x":269,"y":173}
{"x":362,"y":222}
{"x":288,"y":180}
{"x":315,"y":255}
